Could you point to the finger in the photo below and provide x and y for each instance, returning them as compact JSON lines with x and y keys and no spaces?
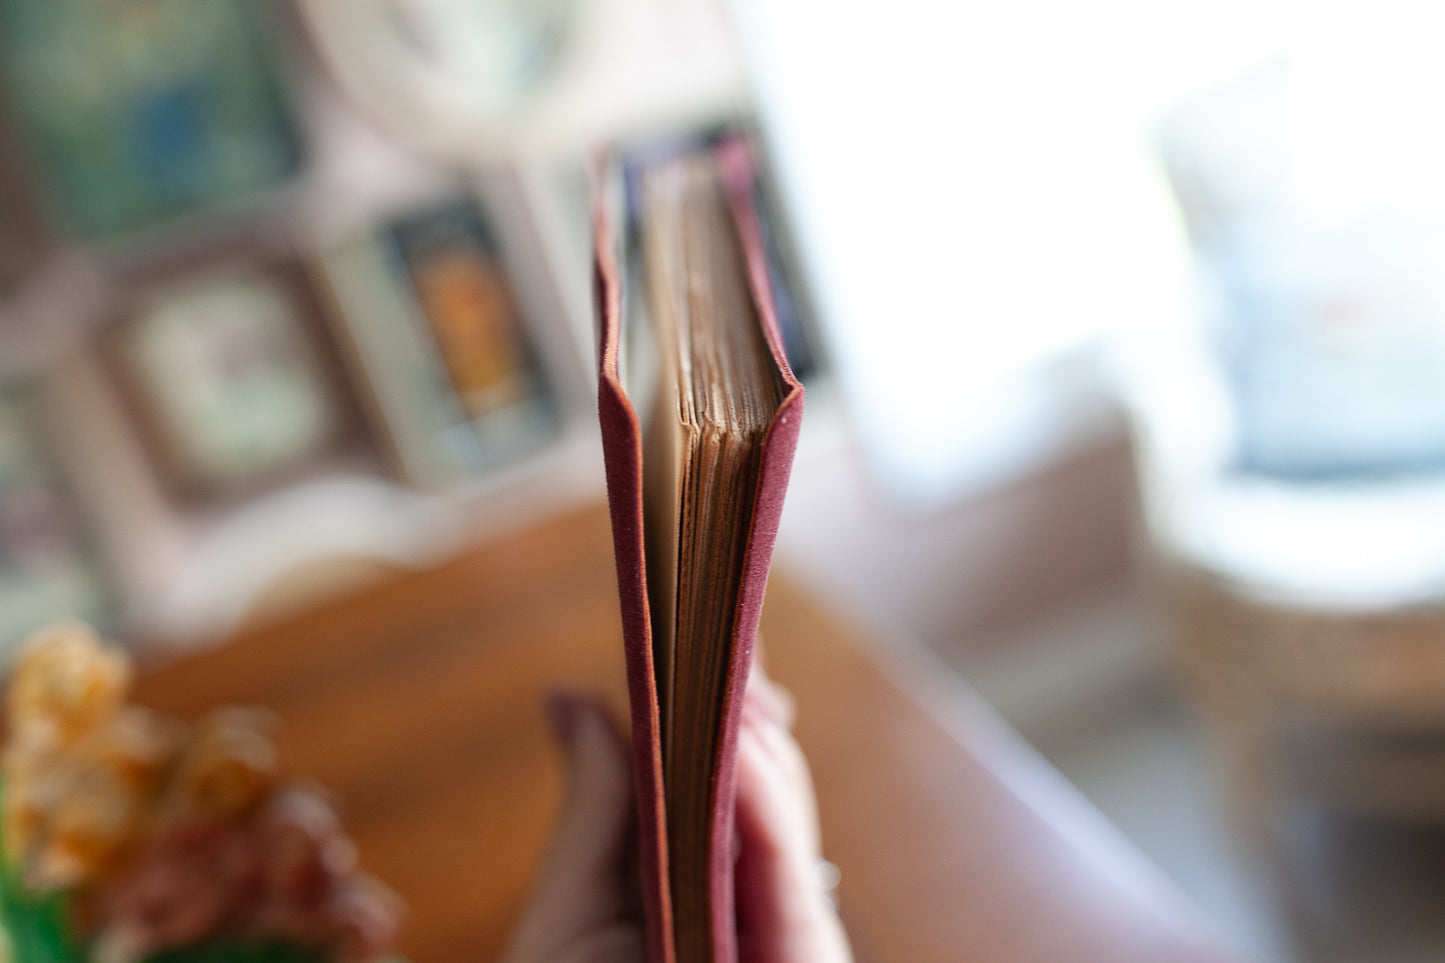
{"x":783,"y":911}
{"x":783,"y":762}
{"x":589,"y":845}
{"x":582,"y":884}
{"x":766,"y":696}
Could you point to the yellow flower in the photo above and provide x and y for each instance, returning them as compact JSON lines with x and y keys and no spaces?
{"x":66,"y":681}
{"x":231,"y":765}
{"x":136,"y":746}
{"x":71,"y":816}
{"x":30,"y":758}
{"x":96,"y":821}
{"x":24,"y":821}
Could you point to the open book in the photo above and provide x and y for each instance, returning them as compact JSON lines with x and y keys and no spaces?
{"x":700,"y":415}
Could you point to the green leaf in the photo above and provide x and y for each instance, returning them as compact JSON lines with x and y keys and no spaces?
{"x":37,"y":924}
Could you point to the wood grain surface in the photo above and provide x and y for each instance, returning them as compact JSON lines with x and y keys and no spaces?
{"x":418,"y":703}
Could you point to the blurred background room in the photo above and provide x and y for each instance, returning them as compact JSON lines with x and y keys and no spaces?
{"x":1121,"y":323}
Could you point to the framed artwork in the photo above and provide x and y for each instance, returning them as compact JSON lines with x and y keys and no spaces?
{"x":230,"y":377}
{"x":14,"y":251}
{"x":135,"y":112}
{"x":48,"y":568}
{"x":23,"y":240}
{"x":438,"y":336}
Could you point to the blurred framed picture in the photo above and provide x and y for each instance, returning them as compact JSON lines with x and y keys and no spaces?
{"x":14,"y":252}
{"x":23,"y":240}
{"x":48,"y":568}
{"x":136,"y":112}
{"x":229,"y":374}
{"x":437,"y":335}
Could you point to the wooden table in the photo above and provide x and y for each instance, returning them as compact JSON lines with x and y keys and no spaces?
{"x":419,"y":704}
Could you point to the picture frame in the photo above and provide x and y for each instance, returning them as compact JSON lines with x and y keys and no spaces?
{"x":16,"y":253}
{"x":230,"y":376}
{"x":49,"y":564}
{"x":447,"y":356}
{"x":24,"y":241}
{"x":133,"y":115}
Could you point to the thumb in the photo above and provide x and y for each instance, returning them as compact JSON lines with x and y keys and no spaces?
{"x":582,"y":884}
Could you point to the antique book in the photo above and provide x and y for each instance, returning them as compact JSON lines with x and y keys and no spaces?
{"x":700,"y":415}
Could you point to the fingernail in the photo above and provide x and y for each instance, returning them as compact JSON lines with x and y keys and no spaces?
{"x":563,"y":709}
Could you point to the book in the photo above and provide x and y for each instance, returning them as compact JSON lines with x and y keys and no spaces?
{"x":700,"y":415}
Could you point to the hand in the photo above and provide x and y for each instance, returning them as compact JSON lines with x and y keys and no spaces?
{"x":586,"y":903}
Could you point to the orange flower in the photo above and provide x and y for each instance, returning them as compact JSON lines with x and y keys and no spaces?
{"x":231,"y":765}
{"x":30,"y":757}
{"x":136,"y":745}
{"x":66,"y":681}
{"x":95,"y":822}
{"x":74,"y":816}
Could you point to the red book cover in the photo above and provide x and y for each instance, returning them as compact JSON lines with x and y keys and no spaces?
{"x":622,"y":440}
